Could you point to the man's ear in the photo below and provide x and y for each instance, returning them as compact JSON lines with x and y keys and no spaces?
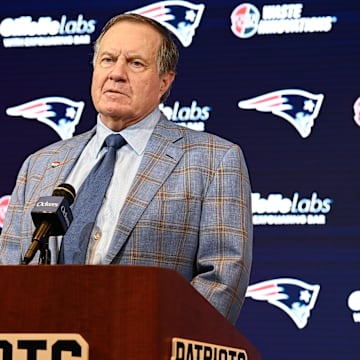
{"x":166,"y":81}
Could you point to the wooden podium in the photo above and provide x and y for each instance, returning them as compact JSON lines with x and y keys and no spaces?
{"x":122,"y":312}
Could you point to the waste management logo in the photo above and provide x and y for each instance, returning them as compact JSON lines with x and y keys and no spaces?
{"x":247,"y":20}
{"x":277,"y":209}
{"x":4,"y":203}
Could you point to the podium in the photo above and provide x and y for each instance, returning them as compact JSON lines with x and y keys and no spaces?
{"x":121,"y":312}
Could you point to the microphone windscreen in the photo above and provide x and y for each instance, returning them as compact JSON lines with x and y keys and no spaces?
{"x":65,"y":190}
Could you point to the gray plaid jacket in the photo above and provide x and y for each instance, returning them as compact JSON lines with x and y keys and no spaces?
{"x":189,"y":209}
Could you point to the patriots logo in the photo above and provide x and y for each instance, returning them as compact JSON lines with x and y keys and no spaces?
{"x":300,"y":108}
{"x":357,"y":111}
{"x":60,"y":113}
{"x":293,"y":296}
{"x":179,"y":17}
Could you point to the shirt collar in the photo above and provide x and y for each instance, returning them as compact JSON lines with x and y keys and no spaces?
{"x":137,"y":135}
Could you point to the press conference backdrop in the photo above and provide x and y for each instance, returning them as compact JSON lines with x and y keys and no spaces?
{"x":281,"y":79}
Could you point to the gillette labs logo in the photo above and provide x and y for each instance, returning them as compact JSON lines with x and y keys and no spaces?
{"x":46,"y":31}
{"x":277,"y":209}
{"x":247,"y":21}
{"x":193,"y":116}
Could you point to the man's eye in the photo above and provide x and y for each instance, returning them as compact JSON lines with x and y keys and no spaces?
{"x":137,"y":63}
{"x":106,"y":61}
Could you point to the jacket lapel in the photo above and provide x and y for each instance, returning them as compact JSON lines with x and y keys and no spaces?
{"x":55,"y":164}
{"x":160,"y":158}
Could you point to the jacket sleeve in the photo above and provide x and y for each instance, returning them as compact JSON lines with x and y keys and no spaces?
{"x":225,"y":241}
{"x":15,"y":232}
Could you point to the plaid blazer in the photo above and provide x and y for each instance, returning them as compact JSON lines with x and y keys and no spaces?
{"x":189,"y":209}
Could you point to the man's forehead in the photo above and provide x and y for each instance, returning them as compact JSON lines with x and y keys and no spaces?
{"x":137,"y":30}
{"x":132,"y":35}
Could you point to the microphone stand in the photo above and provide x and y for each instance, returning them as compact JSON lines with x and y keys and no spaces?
{"x":45,"y":253}
{"x":43,"y":247}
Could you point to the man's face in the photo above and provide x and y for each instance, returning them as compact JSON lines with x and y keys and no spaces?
{"x":126,"y":85}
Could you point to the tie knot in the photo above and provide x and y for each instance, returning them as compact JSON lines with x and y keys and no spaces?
{"x":115,"y":140}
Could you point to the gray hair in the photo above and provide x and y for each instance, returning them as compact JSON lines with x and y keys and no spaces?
{"x":168,"y":53}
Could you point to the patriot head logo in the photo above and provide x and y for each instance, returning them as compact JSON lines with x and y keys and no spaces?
{"x":245,"y":20}
{"x":180,"y":17}
{"x":357,"y":111}
{"x":293,"y":296}
{"x":60,"y":113}
{"x":299,"y":107}
{"x":4,"y":203}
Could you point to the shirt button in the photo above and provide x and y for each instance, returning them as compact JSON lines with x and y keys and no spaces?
{"x":97,"y":234}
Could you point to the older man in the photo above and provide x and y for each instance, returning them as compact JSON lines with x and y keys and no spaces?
{"x":177,"y":199}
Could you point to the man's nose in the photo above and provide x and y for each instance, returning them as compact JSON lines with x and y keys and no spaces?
{"x":118,"y":71}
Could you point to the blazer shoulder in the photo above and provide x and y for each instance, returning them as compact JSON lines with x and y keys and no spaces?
{"x":191,"y":136}
{"x":67,"y":144}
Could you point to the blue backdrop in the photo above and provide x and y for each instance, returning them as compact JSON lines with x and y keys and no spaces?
{"x":278,"y":78}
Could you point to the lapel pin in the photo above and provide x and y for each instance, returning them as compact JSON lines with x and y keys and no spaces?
{"x":55,"y":164}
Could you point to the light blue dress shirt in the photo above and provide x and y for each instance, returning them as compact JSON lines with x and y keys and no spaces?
{"x":127,"y":162}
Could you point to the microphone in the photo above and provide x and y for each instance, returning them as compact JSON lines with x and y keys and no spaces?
{"x":52,"y":216}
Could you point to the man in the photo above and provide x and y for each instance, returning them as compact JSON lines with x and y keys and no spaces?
{"x":178,"y":198}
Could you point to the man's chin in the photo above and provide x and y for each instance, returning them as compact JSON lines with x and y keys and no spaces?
{"x":115,"y":108}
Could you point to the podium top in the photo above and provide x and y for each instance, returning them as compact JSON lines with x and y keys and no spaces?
{"x":127,"y":312}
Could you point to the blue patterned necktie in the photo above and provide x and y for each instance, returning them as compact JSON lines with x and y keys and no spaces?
{"x":87,"y":204}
